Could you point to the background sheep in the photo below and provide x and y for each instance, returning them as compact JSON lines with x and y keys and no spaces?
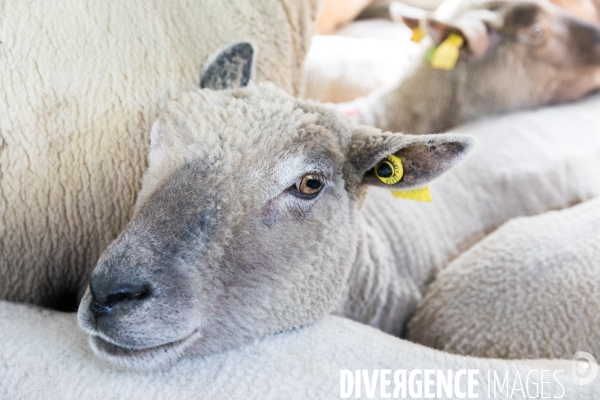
{"x":44,"y":352}
{"x":529,"y":290}
{"x":374,"y":53}
{"x":525,"y":164}
{"x":208,"y":234}
{"x":340,"y":68}
{"x":516,"y":55}
{"x":80,"y":87}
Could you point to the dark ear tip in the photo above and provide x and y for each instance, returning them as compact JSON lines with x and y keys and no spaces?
{"x":230,"y":69}
{"x":245,"y":50}
{"x":469,"y":141}
{"x":461,"y":144}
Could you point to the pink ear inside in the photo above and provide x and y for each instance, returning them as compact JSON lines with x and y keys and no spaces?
{"x":476,"y":36}
{"x":406,"y":14}
{"x":474,"y":31}
{"x":410,"y":22}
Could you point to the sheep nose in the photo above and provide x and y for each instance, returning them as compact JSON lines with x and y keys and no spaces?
{"x":585,"y":40}
{"x":109,"y":295}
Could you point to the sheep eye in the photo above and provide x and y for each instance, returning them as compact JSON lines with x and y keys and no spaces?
{"x":537,"y":31}
{"x":309,"y":185}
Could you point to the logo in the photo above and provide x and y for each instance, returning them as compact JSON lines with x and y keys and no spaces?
{"x":584,"y":368}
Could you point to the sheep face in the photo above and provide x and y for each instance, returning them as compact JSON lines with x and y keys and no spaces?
{"x":241,"y":207}
{"x":517,"y":54}
{"x":246,"y":225}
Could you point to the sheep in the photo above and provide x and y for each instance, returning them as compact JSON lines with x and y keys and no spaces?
{"x":80,"y":83}
{"x":528,"y":290}
{"x":42,"y":351}
{"x":336,"y":13}
{"x":516,"y":55}
{"x":341,"y":69}
{"x":254,"y":217}
{"x":584,"y":9}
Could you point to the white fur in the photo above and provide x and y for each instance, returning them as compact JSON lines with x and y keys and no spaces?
{"x":526,"y":163}
{"x":350,"y":64}
{"x":80,"y":84}
{"x":529,"y":290}
{"x":45,"y":354}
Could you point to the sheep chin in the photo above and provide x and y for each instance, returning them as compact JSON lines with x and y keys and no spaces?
{"x":147,"y":359}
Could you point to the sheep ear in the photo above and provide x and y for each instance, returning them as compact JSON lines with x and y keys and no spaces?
{"x":474,"y":26}
{"x":230,"y":68}
{"x":410,"y":16}
{"x":423,"y":158}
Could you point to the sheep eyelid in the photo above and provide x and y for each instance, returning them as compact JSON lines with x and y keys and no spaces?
{"x":298,"y":194}
{"x":537,"y":30}
{"x":293,"y":190}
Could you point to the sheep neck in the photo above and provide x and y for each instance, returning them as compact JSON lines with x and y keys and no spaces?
{"x":425,"y":101}
{"x":381,"y":291}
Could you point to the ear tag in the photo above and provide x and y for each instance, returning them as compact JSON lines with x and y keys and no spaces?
{"x":446,"y":54}
{"x":423,"y":195}
{"x":390,"y":171}
{"x":417,"y":34}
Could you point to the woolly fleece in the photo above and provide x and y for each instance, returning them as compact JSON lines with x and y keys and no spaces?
{"x":45,"y":354}
{"x":80,"y":84}
{"x":528,"y":290}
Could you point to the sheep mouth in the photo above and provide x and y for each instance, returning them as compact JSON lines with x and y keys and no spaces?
{"x":143,"y":359}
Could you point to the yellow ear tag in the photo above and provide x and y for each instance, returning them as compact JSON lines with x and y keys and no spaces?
{"x":390,"y":171}
{"x":417,"y":34}
{"x":446,"y":54}
{"x":418,"y":195}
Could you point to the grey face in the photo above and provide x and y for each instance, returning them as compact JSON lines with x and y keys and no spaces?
{"x":246,"y":225}
{"x":223,"y":226}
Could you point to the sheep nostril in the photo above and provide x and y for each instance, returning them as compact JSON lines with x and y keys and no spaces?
{"x":98,"y":309}
{"x":125,"y":295}
{"x":108,"y":296}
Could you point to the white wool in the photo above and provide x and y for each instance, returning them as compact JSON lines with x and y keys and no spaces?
{"x":81,"y":83}
{"x":528,"y":290}
{"x":45,"y":354}
{"x":350,"y":64}
{"x":526,"y":163}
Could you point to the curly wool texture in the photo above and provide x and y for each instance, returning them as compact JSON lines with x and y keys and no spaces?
{"x":529,"y":290}
{"x":81,"y":83}
{"x":303,"y":364}
{"x":525,"y":164}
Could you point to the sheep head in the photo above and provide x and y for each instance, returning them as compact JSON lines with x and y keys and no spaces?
{"x":514,"y":54}
{"x":246,"y":225}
